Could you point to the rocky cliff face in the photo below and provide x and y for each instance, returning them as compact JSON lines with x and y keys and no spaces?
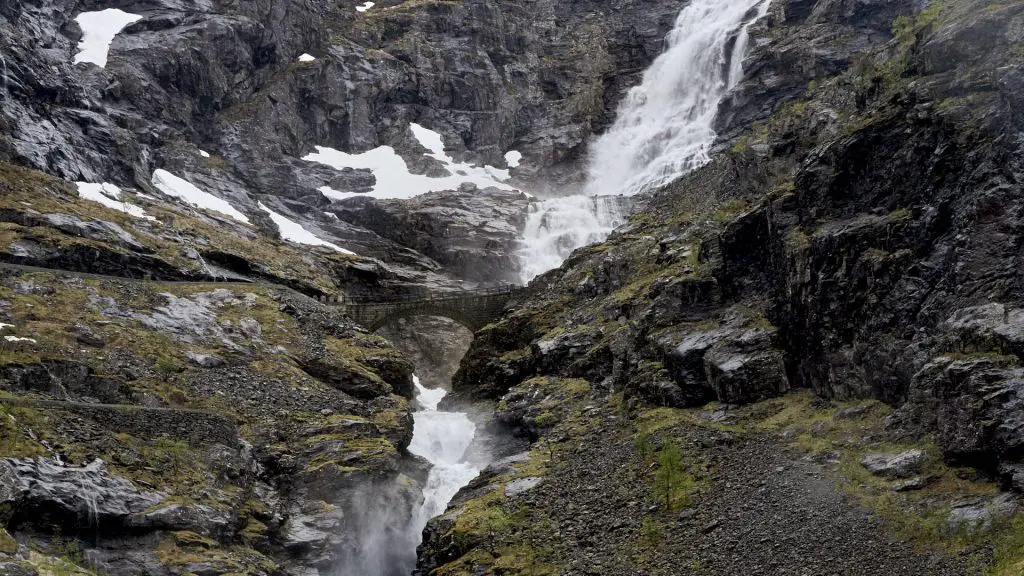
{"x":223,"y":80}
{"x":152,"y":425}
{"x":836,"y":295}
{"x":856,"y":234}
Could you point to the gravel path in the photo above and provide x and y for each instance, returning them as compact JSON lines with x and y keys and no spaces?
{"x":766,"y":511}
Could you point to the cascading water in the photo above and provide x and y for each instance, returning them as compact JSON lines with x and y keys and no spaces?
{"x":442,"y":438}
{"x":664,"y":128}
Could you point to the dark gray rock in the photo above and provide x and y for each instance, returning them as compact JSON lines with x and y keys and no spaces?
{"x":993,"y":326}
{"x":205,"y":360}
{"x":747,"y":368}
{"x":892,"y":466}
{"x":471,"y":232}
{"x":979,"y":514}
{"x":39,"y":491}
{"x":974,"y":405}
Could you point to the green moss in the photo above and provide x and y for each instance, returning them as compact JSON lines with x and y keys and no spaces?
{"x":54,"y":566}
{"x":354,"y":357}
{"x":8,"y":545}
{"x":189,"y":539}
{"x":1009,"y":549}
{"x":217,"y":162}
{"x":919,"y":516}
{"x":525,"y":560}
{"x":254,"y":531}
{"x":15,"y":424}
{"x":517,"y":355}
{"x":728,"y":210}
{"x":166,"y":364}
{"x":652,"y":532}
{"x":484,"y":515}
{"x":222,"y":560}
{"x":545,"y":419}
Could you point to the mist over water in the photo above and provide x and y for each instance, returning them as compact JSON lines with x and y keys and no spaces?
{"x":386,"y":519}
{"x":664,"y":128}
{"x":442,"y":438}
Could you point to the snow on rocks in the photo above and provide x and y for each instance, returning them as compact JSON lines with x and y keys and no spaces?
{"x":512,"y":158}
{"x":98,"y":31}
{"x":110,"y":196}
{"x":184,"y":190}
{"x":294,"y":232}
{"x":392,"y":173}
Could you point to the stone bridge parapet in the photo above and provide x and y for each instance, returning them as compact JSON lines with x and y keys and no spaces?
{"x":474,"y":309}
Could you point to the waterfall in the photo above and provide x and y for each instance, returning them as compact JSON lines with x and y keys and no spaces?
{"x":442,"y":439}
{"x":664,"y":128}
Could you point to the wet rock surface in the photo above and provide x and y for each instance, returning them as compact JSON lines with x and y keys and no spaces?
{"x":858,"y":240}
{"x":218,"y":451}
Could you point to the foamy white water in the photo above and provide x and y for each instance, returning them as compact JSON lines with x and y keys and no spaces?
{"x":663,"y":129}
{"x":557,"y":226}
{"x":442,"y":438}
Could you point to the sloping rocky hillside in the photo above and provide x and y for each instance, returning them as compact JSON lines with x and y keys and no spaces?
{"x":178,"y":394}
{"x":856,"y":234}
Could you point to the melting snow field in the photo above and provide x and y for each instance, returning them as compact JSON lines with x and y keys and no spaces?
{"x":294,"y":232}
{"x":393,"y":177}
{"x":110,"y":196}
{"x":180,"y":188}
{"x":98,"y":31}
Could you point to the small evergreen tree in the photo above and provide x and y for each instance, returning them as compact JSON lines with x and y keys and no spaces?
{"x":670,"y":475}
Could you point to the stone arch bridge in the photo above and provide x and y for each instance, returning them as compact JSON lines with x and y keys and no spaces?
{"x":474,"y":309}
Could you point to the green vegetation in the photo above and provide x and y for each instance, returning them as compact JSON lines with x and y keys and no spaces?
{"x":652,"y":532}
{"x":728,"y":210}
{"x":7,"y":544}
{"x":672,"y":482}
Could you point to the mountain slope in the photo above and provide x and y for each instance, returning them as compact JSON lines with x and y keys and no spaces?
{"x":856,"y":233}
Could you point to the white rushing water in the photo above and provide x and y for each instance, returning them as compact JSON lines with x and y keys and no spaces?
{"x":663,"y":129}
{"x":442,"y":438}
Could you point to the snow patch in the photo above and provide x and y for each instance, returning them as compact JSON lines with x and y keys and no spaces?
{"x":366,"y":6}
{"x":512,"y":158}
{"x":296,"y":233}
{"x":431,"y":141}
{"x":204,"y":153}
{"x":110,"y":196}
{"x":98,"y":31}
{"x":180,"y":188}
{"x":18,"y":339}
{"x":392,"y":173}
{"x":5,"y":326}
{"x":306,"y":58}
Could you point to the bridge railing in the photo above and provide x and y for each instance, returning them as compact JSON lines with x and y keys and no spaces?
{"x":434,"y":296}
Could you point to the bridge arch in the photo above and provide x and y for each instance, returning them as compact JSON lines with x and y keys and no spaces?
{"x":472,"y":309}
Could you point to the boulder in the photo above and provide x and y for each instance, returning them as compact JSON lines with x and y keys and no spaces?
{"x":979,"y":514}
{"x":975,"y":405}
{"x":892,"y":466}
